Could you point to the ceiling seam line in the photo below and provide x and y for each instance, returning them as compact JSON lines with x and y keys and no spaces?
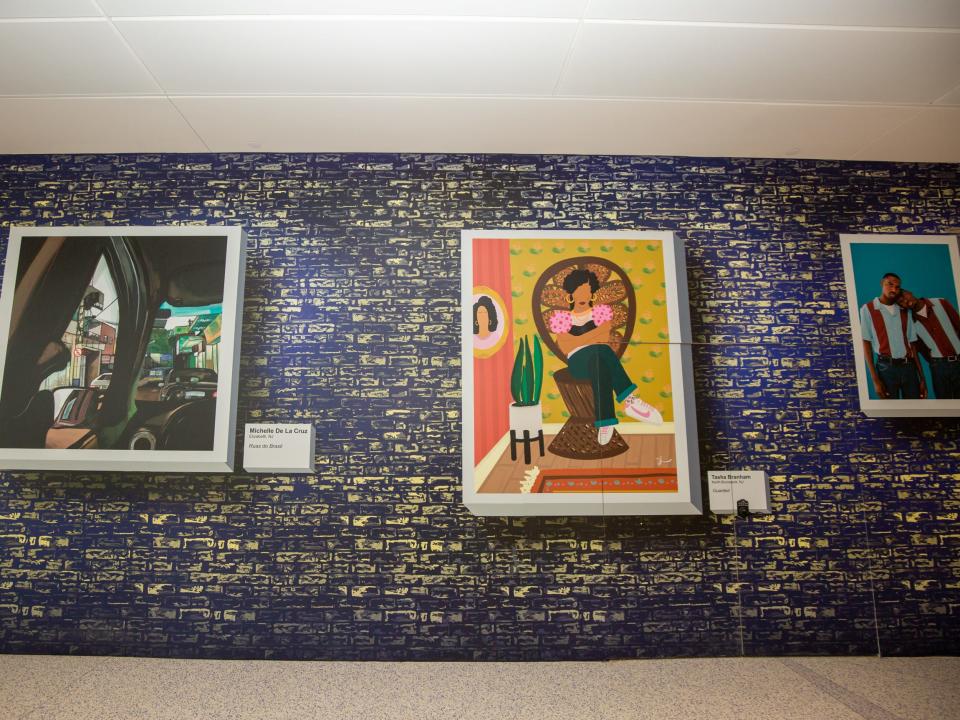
{"x":775,"y":26}
{"x":156,"y":80}
{"x":238,"y":17}
{"x":422,"y":96}
{"x":332,"y":18}
{"x":189,"y":124}
{"x":569,"y":53}
{"x":858,"y":154}
{"x":946,"y":94}
{"x":43,"y":20}
{"x":582,"y":20}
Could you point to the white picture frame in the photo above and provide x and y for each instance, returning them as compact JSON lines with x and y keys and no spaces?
{"x":923,"y":261}
{"x":128,"y":241}
{"x":686,"y":499}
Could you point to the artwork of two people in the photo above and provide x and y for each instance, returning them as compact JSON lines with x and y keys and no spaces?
{"x":909,"y":322}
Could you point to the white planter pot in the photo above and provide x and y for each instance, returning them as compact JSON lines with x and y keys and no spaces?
{"x":527,"y":417}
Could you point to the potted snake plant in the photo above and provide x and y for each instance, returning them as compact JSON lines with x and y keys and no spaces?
{"x":526,"y":382}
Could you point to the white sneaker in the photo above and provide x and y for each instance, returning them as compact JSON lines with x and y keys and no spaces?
{"x":643,"y":411}
{"x":605,"y":434}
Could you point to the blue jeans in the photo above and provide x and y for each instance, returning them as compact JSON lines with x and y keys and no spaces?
{"x":900,"y":378}
{"x":946,"y":379}
{"x":601,"y":366}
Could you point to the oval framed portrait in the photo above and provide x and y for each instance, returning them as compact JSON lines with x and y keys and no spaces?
{"x":490,"y":321}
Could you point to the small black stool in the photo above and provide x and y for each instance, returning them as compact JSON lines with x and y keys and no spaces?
{"x":526,"y":440}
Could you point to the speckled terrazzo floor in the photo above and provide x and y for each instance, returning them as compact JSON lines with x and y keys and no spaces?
{"x":34,"y":687}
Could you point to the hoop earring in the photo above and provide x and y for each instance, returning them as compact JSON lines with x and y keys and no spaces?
{"x":570,"y":300}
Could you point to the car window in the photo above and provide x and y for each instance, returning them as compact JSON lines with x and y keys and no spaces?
{"x":68,"y":407}
{"x":91,"y":335}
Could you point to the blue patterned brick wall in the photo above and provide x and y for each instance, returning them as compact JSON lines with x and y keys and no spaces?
{"x":350,"y":322}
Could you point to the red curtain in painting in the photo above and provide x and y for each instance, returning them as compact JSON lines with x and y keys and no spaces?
{"x":491,"y":376}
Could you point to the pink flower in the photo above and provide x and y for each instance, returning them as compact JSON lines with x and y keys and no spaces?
{"x":602,"y":314}
{"x":560,"y":322}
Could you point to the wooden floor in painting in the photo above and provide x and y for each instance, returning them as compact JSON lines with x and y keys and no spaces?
{"x":645,"y":451}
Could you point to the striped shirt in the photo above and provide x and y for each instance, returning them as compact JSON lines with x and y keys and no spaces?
{"x":889,"y":329}
{"x":938,"y":326}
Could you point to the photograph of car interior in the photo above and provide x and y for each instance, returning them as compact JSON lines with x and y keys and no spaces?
{"x":113,"y":343}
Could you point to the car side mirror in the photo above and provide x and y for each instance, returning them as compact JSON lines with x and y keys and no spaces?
{"x":76,"y":405}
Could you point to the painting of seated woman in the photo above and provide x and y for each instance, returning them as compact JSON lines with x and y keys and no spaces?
{"x":585,"y":409}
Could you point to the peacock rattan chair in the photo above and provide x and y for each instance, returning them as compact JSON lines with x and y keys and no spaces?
{"x":577,"y":438}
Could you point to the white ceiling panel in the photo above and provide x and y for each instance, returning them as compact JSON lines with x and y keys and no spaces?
{"x":505,"y":125}
{"x":728,"y":62}
{"x":93,"y":125}
{"x":890,"y":13}
{"x":488,"y":8}
{"x":352,"y":56}
{"x":48,"y":8}
{"x":932,"y":135}
{"x":68,"y":58}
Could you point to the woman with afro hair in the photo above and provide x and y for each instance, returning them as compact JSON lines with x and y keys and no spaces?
{"x":583,"y":334}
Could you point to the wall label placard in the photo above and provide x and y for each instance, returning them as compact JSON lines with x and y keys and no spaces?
{"x":728,"y":487}
{"x":274,"y":448}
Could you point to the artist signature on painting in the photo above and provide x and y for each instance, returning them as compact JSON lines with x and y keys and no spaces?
{"x":661,"y":460}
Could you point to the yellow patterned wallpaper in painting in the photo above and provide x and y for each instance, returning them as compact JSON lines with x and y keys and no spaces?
{"x":646,"y":362}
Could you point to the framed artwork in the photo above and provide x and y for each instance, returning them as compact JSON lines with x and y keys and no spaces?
{"x":120,"y":348}
{"x":490,"y":322}
{"x":583,"y":405}
{"x":902,"y":293}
